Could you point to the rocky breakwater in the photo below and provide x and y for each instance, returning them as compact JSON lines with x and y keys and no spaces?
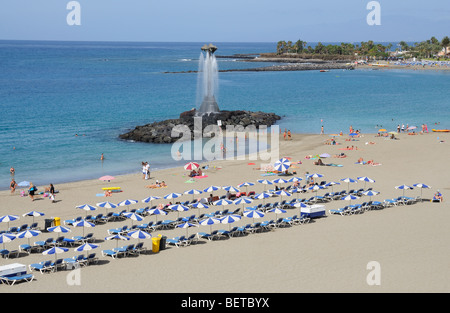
{"x":161,"y":132}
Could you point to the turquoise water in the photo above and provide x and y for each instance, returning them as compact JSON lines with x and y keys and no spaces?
{"x":65,"y":103}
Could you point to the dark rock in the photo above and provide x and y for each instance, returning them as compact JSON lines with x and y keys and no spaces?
{"x":161,"y":132}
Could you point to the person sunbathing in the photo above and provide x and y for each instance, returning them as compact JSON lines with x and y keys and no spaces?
{"x":340,"y":155}
{"x":438,"y":197}
{"x":319,"y":162}
{"x":157,"y":185}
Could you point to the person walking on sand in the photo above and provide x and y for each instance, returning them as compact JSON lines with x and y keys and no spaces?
{"x":31,"y":191}
{"x":321,"y":130}
{"x":13,"y":185}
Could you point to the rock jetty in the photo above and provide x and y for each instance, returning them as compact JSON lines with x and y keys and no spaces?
{"x":161,"y":132}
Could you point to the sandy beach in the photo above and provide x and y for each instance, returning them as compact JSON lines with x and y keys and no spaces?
{"x":330,"y":254}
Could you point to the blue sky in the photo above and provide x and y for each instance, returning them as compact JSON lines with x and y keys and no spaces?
{"x":219,"y":21}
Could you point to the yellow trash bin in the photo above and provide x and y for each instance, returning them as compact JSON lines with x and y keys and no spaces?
{"x":155,"y":244}
{"x":57,"y":221}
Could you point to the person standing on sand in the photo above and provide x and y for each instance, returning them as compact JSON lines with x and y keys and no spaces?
{"x":289,"y":135}
{"x":13,"y":185}
{"x":321,"y":130}
{"x":31,"y":191}
{"x":284,"y":134}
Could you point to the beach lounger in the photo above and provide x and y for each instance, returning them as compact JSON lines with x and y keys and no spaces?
{"x":75,"y":261}
{"x":192,"y":239}
{"x":91,"y":259}
{"x":111,"y":253}
{"x":58,"y":264}
{"x":5,"y":253}
{"x":341,"y":211}
{"x":11,"y":280}
{"x":43,"y":267}
{"x":204,"y":235}
{"x":176,"y":241}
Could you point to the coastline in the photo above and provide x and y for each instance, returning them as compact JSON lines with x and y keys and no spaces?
{"x":328,"y":255}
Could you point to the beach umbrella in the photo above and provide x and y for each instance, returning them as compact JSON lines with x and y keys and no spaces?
{"x":403,"y":187}
{"x":24,"y":184}
{"x":193,"y":192}
{"x":172,"y":195}
{"x":314,"y":175}
{"x":353,"y":134}
{"x":107,"y":178}
{"x":411,"y":127}
{"x":265,"y":182}
{"x":86,"y":247}
{"x":28,"y":234}
{"x":6,"y":237}
{"x":83,"y":223}
{"x":315,"y":188}
{"x":117,"y":237}
{"x":59,"y":229}
{"x":107,"y":205}
{"x":349,"y":181}
{"x":243,"y":200}
{"x":295,"y":179}
{"x":179,"y":208}
{"x":350,"y":198}
{"x":55,"y":251}
{"x":279,"y":181}
{"x":187,"y":225}
{"x":231,"y":218}
{"x":263,"y":196}
{"x":421,"y":186}
{"x":230,"y":188}
{"x":253,"y":214}
{"x":127,"y":202}
{"x":139,"y":234}
{"x":157,"y":211}
{"x":33,"y":214}
{"x":370,"y":193}
{"x":246,"y":184}
{"x":8,"y":218}
{"x":150,"y":199}
{"x":86,"y":207}
{"x":199,"y":206}
{"x":209,"y":221}
{"x":282,"y":193}
{"x":211,"y":189}
{"x":282,"y":164}
{"x":191,"y":166}
{"x":222,"y":202}
{"x":382,"y":130}
{"x":277,"y":211}
{"x":332,"y":183}
{"x":366,"y":179}
{"x":133,"y":217}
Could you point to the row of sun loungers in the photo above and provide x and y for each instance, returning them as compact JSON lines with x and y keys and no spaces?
{"x":124,"y":251}
{"x":373,"y":205}
{"x":182,"y":241}
{"x":52,"y":266}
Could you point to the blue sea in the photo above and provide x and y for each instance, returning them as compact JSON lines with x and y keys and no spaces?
{"x":63,"y":104}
